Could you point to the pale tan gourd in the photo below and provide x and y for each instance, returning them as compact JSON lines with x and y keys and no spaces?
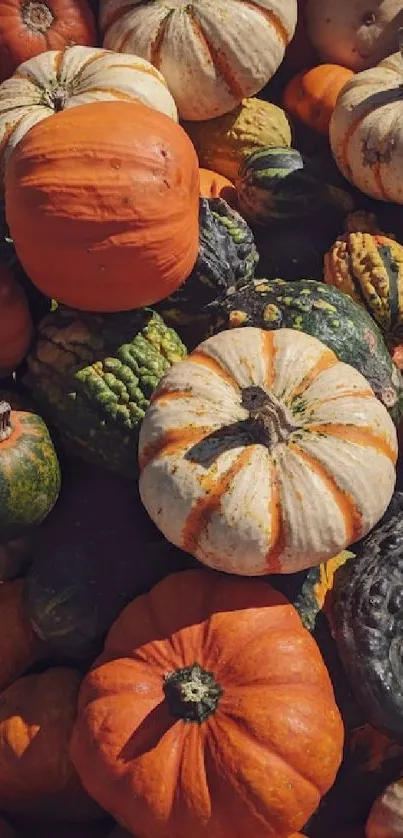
{"x":212,"y":53}
{"x":354,"y":33}
{"x":366,"y":130}
{"x":385,"y":819}
{"x":262,"y":453}
{"x":56,"y":80}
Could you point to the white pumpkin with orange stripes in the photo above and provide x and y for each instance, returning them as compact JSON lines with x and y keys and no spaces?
{"x":56,"y":80}
{"x":213,"y":53}
{"x":262,"y":453}
{"x":366,"y":130}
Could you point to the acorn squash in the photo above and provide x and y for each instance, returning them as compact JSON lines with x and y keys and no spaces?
{"x":227,"y":257}
{"x":324,"y":313}
{"x":93,"y":376}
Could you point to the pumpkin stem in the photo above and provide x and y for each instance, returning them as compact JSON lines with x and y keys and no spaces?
{"x":192,"y":693}
{"x":37,"y":16}
{"x":270,"y":420}
{"x":5,"y":421}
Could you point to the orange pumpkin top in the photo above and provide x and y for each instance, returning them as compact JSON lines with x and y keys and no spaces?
{"x":15,"y":323}
{"x":102,"y":203}
{"x":213,"y":185}
{"x":29,"y":27}
{"x":312,"y":94}
{"x":210,"y":712}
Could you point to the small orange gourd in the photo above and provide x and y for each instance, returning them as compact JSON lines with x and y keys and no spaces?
{"x":311,"y":95}
{"x":213,"y":185}
{"x":15,"y":323}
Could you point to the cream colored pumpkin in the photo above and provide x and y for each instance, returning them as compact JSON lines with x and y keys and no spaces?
{"x":386,"y":816}
{"x":354,"y":33}
{"x":212,"y":53}
{"x":262,"y":453}
{"x":56,"y":80}
{"x":366,"y":130}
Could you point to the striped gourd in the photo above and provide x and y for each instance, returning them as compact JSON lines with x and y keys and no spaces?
{"x":369,"y":268}
{"x":212,"y":54}
{"x":56,"y":80}
{"x":263,"y":453}
{"x":274,"y":184}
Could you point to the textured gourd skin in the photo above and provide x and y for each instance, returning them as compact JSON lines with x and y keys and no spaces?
{"x":227,"y":257}
{"x":323,"y":312}
{"x":367,"y":623}
{"x":94,"y":376}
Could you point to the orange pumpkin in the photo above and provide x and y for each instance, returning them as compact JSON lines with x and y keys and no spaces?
{"x":37,"y":778}
{"x":213,"y":185}
{"x":29,"y":27}
{"x":102,"y":202}
{"x":19,"y":646}
{"x":210,"y":712}
{"x":15,"y":323}
{"x":312,"y":94}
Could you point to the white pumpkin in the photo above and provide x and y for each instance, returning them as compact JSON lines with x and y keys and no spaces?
{"x":354,"y":33}
{"x":213,"y":53}
{"x":385,"y":819}
{"x":366,"y":130}
{"x":56,"y":80}
{"x":262,"y":453}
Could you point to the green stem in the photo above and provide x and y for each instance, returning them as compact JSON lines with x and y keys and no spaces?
{"x":192,"y":693}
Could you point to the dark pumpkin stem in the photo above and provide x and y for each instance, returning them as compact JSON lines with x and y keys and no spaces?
{"x":5,"y":421}
{"x":270,"y":421}
{"x":192,"y":693}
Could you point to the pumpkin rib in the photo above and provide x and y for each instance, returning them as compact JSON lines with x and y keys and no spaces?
{"x":217,"y":58}
{"x":269,"y":356}
{"x":326,"y":360}
{"x":351,"y":515}
{"x":362,"y":436}
{"x":273,"y":19}
{"x":171,"y":442}
{"x":205,"y":360}
{"x":157,"y":41}
{"x":278,"y":540}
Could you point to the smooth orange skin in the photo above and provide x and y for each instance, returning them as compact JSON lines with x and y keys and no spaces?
{"x":15,"y":323}
{"x":312,"y":94}
{"x":19,"y":646}
{"x":102,"y":202}
{"x":73,"y":23}
{"x":259,"y":765}
{"x":213,"y":185}
{"x":37,"y":778}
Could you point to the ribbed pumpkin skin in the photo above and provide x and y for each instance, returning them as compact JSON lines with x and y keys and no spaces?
{"x":28,"y":29}
{"x":365,"y":131}
{"x":223,"y":144}
{"x":209,"y":67}
{"x":248,"y":492}
{"x":15,"y":323}
{"x":241,"y":631}
{"x":58,"y":79}
{"x":128,"y":222}
{"x":312,"y":94}
{"x":370,"y":269}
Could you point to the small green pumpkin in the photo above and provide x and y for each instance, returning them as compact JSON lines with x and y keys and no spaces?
{"x":93,"y":376}
{"x":274,"y":184}
{"x":324,"y":313}
{"x":29,"y":472}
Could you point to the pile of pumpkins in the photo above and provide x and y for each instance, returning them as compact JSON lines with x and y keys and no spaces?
{"x":201,"y":403}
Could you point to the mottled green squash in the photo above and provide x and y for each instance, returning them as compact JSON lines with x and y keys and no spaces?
{"x":227,"y":257}
{"x":93,"y":376}
{"x":29,"y":472}
{"x":325,"y":313}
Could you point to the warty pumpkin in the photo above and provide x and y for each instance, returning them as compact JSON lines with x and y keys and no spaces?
{"x":59,"y":79}
{"x":311,"y":95}
{"x":354,"y":33}
{"x":37,"y":778}
{"x":30,"y":28}
{"x":255,"y":441}
{"x":19,"y":645}
{"x":209,"y":692}
{"x":222,"y":144}
{"x":365,"y":130}
{"x":15,"y":323}
{"x":208,"y":64}
{"x":128,"y":223}
{"x":385,"y":819}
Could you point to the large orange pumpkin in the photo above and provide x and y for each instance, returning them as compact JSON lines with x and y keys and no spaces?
{"x":103,"y":206}
{"x":312,"y":94}
{"x":29,"y":27}
{"x":209,"y":713}
{"x":15,"y":323}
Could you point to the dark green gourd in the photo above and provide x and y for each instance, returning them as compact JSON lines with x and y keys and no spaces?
{"x":93,"y":376}
{"x":327,"y":314}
